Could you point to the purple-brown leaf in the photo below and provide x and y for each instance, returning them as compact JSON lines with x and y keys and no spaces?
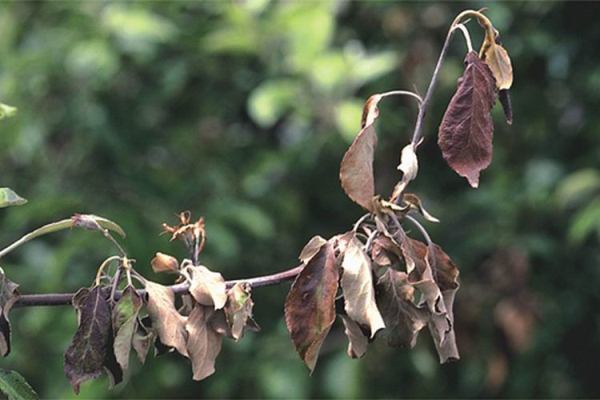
{"x":465,"y":134}
{"x":8,"y":296}
{"x":310,"y":304}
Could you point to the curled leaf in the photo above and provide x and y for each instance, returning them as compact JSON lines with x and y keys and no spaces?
{"x":497,"y":58}
{"x":170,"y":325}
{"x":414,"y":202}
{"x":164,"y":263}
{"x":8,"y":296}
{"x":203,"y":344}
{"x":504,"y":98}
{"x":8,"y":198}
{"x":409,"y":165}
{"x":311,"y":248}
{"x":310,"y":304}
{"x":357,"y":341}
{"x":238,"y":308}
{"x":207,"y":287}
{"x":465,"y":135}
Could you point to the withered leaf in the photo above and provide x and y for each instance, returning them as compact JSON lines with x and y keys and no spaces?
{"x":409,"y":165}
{"x":504,"y":97}
{"x":356,"y":169}
{"x":164,"y":263}
{"x":169,"y":324}
{"x":311,"y":248}
{"x":238,"y":308}
{"x":310,"y":304}
{"x":86,"y":355}
{"x":204,"y":344}
{"x":8,"y":296}
{"x":207,"y":287}
{"x":465,"y":134}
{"x":359,"y":291}
{"x":497,"y":58}
{"x":143,"y":338}
{"x":357,"y":341}
{"x":124,"y":323}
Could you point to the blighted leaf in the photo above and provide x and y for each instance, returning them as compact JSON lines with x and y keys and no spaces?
{"x":95,"y":222}
{"x":218,"y":322}
{"x":207,"y":287}
{"x":111,"y":365}
{"x":238,"y":308}
{"x":359,"y":291}
{"x":85,"y":357}
{"x":310,"y":304}
{"x":356,"y":169}
{"x":124,"y":322}
{"x":169,"y":324}
{"x":8,"y":296}
{"x":414,"y":202}
{"x":357,"y":341}
{"x":7,"y":111}
{"x":204,"y":344}
{"x":496,"y":57}
{"x":465,"y":134}
{"x":9,"y":198}
{"x":409,"y":165}
{"x":142,"y":340}
{"x":385,"y":252}
{"x":164,"y":263}
{"x":15,"y":387}
{"x":504,"y":97}
{"x":311,"y":248}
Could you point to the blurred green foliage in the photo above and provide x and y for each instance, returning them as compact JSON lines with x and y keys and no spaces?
{"x":241,"y":112}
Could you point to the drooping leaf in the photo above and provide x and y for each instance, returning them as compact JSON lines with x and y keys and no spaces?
{"x":143,"y":338}
{"x":414,"y":202}
{"x":169,"y":324}
{"x":15,"y":387}
{"x":310,"y":304}
{"x":357,"y":341}
{"x":164,"y":263}
{"x":465,"y":134}
{"x":497,"y":58}
{"x":207,"y":287}
{"x":124,"y":323}
{"x":504,"y":97}
{"x":85,"y":357}
{"x":9,"y":198}
{"x":7,"y":111}
{"x":238,"y":308}
{"x":311,"y":248}
{"x":358,"y":288}
{"x":8,"y":296}
{"x":204,"y":344}
{"x":409,"y":165}
{"x":92,"y":222}
{"x":356,"y":169}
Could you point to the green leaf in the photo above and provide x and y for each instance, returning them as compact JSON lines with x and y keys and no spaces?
{"x":124,"y":320}
{"x":7,"y":111}
{"x":15,"y":387}
{"x":9,"y":198}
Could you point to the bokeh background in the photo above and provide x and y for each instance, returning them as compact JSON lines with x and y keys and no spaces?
{"x":241,"y":112}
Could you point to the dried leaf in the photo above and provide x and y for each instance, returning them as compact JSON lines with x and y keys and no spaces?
{"x":142,"y":340}
{"x":311,"y":248}
{"x":356,"y":169}
{"x":414,"y":202}
{"x":124,"y":322}
{"x":204,"y":344}
{"x":357,"y":341}
{"x":170,"y":325}
{"x":207,"y":287}
{"x":358,"y":289}
{"x":8,"y":297}
{"x":504,"y":97}
{"x":86,"y":355}
{"x":9,"y":198}
{"x":164,"y":263}
{"x":310,"y":304}
{"x":465,"y":135}
{"x":238,"y":308}
{"x":409,"y":165}
{"x":497,"y":58}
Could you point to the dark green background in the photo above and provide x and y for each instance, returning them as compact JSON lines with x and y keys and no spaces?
{"x":241,"y":113}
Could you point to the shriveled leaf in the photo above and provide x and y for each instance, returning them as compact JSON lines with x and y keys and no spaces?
{"x":85,"y":357}
{"x":9,"y":198}
{"x":15,"y":387}
{"x":504,"y":97}
{"x":8,"y":297}
{"x":238,"y":308}
{"x":497,"y":58}
{"x":357,"y":341}
{"x":164,"y":263}
{"x":207,"y":287}
{"x":310,"y":304}
{"x":143,"y":339}
{"x":111,"y":365}
{"x":218,"y":322}
{"x":385,"y":253}
{"x":409,"y":165}
{"x":311,"y":248}
{"x":124,"y":322}
{"x":7,"y":111}
{"x":204,"y":344}
{"x":356,"y":169}
{"x":465,"y":134}
{"x":92,"y":222}
{"x":169,"y":324}
{"x":359,"y":291}
{"x":414,"y":202}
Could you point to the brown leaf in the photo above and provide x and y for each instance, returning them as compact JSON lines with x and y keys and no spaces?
{"x":238,"y":308}
{"x":357,"y":286}
{"x":357,"y":341}
{"x":311,"y":248}
{"x":8,"y":296}
{"x":207,"y":287}
{"x":142,"y":340}
{"x":497,"y":58}
{"x":164,"y":263}
{"x":87,"y":353}
{"x":170,"y":325}
{"x":310,"y":304}
{"x":124,"y":323}
{"x":356,"y":169}
{"x":204,"y":344}
{"x":465,"y":134}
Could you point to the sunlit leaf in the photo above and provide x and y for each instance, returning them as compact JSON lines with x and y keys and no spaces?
{"x":9,"y":198}
{"x":7,"y":111}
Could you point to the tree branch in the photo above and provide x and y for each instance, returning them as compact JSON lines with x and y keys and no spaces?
{"x":63,"y":299}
